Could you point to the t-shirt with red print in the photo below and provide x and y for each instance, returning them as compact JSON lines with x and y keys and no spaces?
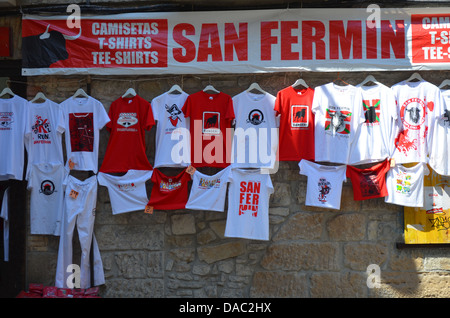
{"x":296,"y":123}
{"x":210,"y":116}
{"x":370,"y":182}
{"x":130,"y":118}
{"x":169,"y":193}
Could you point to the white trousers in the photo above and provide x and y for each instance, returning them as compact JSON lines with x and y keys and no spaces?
{"x":79,"y":211}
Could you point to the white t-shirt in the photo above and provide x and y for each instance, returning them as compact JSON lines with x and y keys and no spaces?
{"x":324,"y":184}
{"x":83,"y":120}
{"x":333,"y":107}
{"x":13,"y":114}
{"x":405,"y":185}
{"x":128,"y":192}
{"x":43,"y":133}
{"x":418,"y":105}
{"x":208,"y":192}
{"x":255,"y":139}
{"x":248,"y":204}
{"x":373,"y":140}
{"x":439,"y":149}
{"x":46,"y":186}
{"x":172,"y":131}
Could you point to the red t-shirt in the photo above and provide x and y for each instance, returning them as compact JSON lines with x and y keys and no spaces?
{"x":369,"y":183}
{"x":130,"y":118}
{"x":210,"y":116}
{"x":296,"y":124}
{"x":169,"y":193}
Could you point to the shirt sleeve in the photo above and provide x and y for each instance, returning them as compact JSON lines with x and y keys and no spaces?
{"x":103,"y":117}
{"x":150,"y":120}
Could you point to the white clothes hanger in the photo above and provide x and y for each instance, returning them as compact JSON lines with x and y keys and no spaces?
{"x":7,"y":90}
{"x":299,"y":82}
{"x":81,"y":92}
{"x":369,"y":78}
{"x":129,"y":91}
{"x":255,"y":86}
{"x":175,"y":89}
{"x":211,"y":88}
{"x":444,"y":83}
{"x":39,"y":96}
{"x":415,"y":76}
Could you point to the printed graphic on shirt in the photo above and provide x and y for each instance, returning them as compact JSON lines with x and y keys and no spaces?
{"x":169,"y":185}
{"x":211,"y":123}
{"x":126,"y":187}
{"x":47,"y":187}
{"x":446,"y":117}
{"x":403,"y":183}
{"x":174,"y":112}
{"x":249,"y":197}
{"x":299,"y":116}
{"x":369,"y":185}
{"x":412,"y":113}
{"x":41,"y":129}
{"x":255,"y":117}
{"x":81,"y":127}
{"x":127,"y":120}
{"x":6,"y":120}
{"x":372,"y":112}
{"x":324,"y":189}
{"x":208,"y":184}
{"x":337,"y":122}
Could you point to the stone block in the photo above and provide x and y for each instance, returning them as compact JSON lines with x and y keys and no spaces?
{"x":306,"y":226}
{"x":358,"y":256}
{"x":183,"y":224}
{"x":212,"y":254}
{"x":279,"y":284}
{"x":347,"y":227}
{"x":338,"y":285}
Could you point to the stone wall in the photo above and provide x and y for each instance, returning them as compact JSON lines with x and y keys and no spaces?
{"x":312,"y":252}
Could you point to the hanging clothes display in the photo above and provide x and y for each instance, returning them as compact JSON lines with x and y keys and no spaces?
{"x":296,"y":124}
{"x":127,"y":193}
{"x":169,"y":192}
{"x":369,"y":183}
{"x":209,"y":117}
{"x":126,"y":148}
{"x":208,"y":192}
{"x":373,"y":139}
{"x":46,"y":185}
{"x":13,"y":115}
{"x":255,"y":140}
{"x":84,"y":117}
{"x":248,"y":204}
{"x":171,"y":127}
{"x":79,"y":210}
{"x":43,"y":133}
{"x":335,"y":118}
{"x":419,"y":104}
{"x":324,"y":184}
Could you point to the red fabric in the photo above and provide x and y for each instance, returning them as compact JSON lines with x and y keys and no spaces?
{"x":369,"y":183}
{"x":169,"y":193}
{"x":126,"y":144}
{"x":206,"y":109}
{"x":296,"y":124}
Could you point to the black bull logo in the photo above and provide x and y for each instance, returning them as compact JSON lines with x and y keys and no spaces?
{"x":40,"y":51}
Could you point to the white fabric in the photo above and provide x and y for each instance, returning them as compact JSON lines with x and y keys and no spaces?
{"x":128,"y":192}
{"x":335,"y":117}
{"x":4,"y":214}
{"x":418,"y":105}
{"x":373,"y":140}
{"x":171,"y":127}
{"x":324,"y":184}
{"x":255,"y":139}
{"x":43,"y":133}
{"x":406,"y":185}
{"x":80,"y":212}
{"x":208,"y":192}
{"x":13,"y":114}
{"x":439,"y":149}
{"x":248,"y":204}
{"x":46,"y":185}
{"x":87,"y":129}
